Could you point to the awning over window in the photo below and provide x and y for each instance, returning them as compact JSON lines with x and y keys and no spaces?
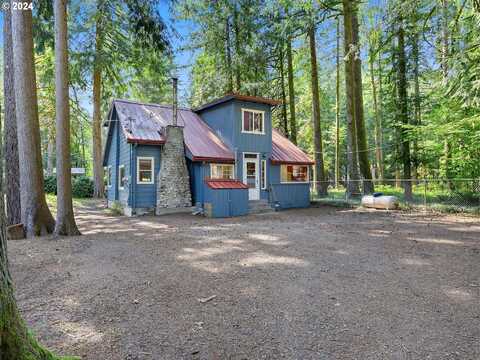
{"x":225,"y":184}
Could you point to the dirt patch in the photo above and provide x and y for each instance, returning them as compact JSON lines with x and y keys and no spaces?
{"x":302,"y":284}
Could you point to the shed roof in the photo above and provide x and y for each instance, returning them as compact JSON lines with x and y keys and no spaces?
{"x":286,"y":152}
{"x":234,"y":96}
{"x":225,"y":184}
{"x":145,"y":124}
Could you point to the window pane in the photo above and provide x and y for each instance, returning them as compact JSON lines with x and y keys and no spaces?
{"x":251,"y":175}
{"x":145,"y":164}
{"x":294,"y":173}
{"x":145,"y":176}
{"x":264,"y":174}
{"x":258,"y":123}
{"x":247,"y":121}
{"x":221,"y":171}
{"x":122,"y":176}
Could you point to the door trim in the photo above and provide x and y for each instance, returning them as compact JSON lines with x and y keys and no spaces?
{"x":253,"y":194}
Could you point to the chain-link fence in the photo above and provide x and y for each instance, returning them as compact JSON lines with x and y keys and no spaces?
{"x":446,"y":195}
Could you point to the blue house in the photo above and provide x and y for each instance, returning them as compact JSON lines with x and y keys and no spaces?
{"x":235,"y":160}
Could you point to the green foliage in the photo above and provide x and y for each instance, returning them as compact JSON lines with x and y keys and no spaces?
{"x":50,"y":184}
{"x":82,"y":187}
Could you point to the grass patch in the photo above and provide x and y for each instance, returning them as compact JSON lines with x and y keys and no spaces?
{"x":77,"y":202}
{"x":437,"y":198}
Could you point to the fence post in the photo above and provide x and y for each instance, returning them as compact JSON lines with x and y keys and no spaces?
{"x":425,"y":194}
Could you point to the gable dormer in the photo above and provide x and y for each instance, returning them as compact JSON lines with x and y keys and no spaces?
{"x":243,"y":122}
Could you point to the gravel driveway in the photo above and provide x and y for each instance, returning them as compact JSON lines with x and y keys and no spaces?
{"x":320,"y":283}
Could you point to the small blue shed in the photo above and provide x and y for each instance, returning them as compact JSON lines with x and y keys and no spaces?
{"x":225,"y":198}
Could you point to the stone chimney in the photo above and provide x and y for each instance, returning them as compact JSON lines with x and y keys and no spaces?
{"x":173,"y":189}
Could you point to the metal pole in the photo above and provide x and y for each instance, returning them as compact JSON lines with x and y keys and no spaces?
{"x":425,"y":194}
{"x":174,"y":106}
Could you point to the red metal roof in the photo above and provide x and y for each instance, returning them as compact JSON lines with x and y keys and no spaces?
{"x":225,"y":184}
{"x":286,"y":152}
{"x":145,"y":124}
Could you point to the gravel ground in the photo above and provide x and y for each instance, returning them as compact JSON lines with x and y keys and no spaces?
{"x":320,"y":283}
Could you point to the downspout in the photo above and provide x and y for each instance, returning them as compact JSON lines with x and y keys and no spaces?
{"x":133,"y":176}
{"x":235,"y":166}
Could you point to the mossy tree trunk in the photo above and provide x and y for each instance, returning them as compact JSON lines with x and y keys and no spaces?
{"x":291,"y":93}
{"x":12,"y":169}
{"x":36,"y":216}
{"x":98,"y":190}
{"x":350,"y":50}
{"x":65,"y":224}
{"x":320,"y":182}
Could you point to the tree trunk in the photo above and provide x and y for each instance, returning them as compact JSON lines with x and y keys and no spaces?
{"x":12,"y":180}
{"x":403,"y":113}
{"x":50,"y":153}
{"x":417,"y":100}
{"x":98,"y":190}
{"x":337,"y":109}
{"x":352,"y":157}
{"x":291,"y":93}
{"x":320,"y":183}
{"x":36,"y":216}
{"x":16,"y":342}
{"x":229,"y":56}
{"x":284,"y":95}
{"x":362,"y":144}
{"x":444,"y":65}
{"x":65,"y":224}
{"x":238,"y":75}
{"x":378,"y":126}
{"x":380,"y":114}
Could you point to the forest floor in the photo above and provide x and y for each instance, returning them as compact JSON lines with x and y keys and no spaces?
{"x":319,"y":283}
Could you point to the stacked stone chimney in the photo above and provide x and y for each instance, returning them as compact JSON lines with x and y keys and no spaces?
{"x":173,"y":191}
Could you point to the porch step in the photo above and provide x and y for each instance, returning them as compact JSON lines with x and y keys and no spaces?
{"x":259,"y":207}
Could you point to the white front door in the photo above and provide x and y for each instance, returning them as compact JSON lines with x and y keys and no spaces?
{"x":251,"y":176}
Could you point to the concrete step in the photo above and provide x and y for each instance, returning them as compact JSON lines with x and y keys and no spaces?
{"x":259,"y":207}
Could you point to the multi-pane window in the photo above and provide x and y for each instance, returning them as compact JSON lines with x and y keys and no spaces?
{"x":264,"y":174}
{"x":294,"y":173}
{"x":221,"y":171}
{"x":121,"y":177}
{"x":108,"y":176}
{"x":253,"y":121}
{"x":145,"y":170}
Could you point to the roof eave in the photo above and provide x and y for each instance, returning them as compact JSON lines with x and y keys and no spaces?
{"x":145,"y":141}
{"x":284,"y":162}
{"x":213,"y":159}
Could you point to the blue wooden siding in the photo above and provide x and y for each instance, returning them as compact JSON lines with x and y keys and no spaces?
{"x":124,"y":159}
{"x":112,"y":159}
{"x":145,"y":195}
{"x":219,"y":118}
{"x":198,"y":171}
{"x":288,"y":195}
{"x":245,"y":142}
{"x":227,"y":202}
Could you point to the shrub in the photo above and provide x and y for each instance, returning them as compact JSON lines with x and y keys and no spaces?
{"x":82,"y":187}
{"x":50,"y":184}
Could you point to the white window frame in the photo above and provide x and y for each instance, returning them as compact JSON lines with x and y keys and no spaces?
{"x":264,"y":174}
{"x":295,"y":182}
{"x":152,"y":160}
{"x":120,"y":187}
{"x":218,"y":164}
{"x":254,"y":112}
{"x":109,"y":176}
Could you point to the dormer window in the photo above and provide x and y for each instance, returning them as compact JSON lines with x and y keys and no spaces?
{"x":253,"y":121}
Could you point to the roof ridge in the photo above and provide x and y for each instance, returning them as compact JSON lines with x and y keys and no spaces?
{"x":150,"y":104}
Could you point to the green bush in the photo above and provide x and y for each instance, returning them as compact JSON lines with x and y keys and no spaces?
{"x":50,"y":184}
{"x":82,"y":187}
